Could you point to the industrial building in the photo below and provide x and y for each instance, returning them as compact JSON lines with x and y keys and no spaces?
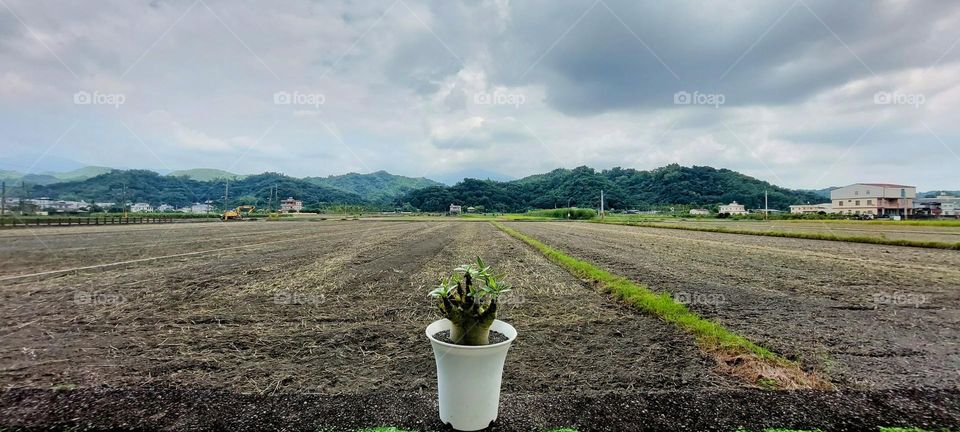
{"x":876,"y":199}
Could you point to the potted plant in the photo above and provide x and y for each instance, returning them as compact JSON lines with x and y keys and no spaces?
{"x":470,"y":346}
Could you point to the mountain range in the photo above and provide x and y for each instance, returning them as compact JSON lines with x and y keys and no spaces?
{"x":45,"y":178}
{"x":623,"y":188}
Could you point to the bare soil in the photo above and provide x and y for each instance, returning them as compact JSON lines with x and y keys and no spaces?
{"x":865,"y":316}
{"x":319,"y":326}
{"x":204,"y":409}
{"x":944,"y":234}
{"x":339,"y":309}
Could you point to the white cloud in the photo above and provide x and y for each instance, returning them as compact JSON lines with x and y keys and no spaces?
{"x":407,"y":93}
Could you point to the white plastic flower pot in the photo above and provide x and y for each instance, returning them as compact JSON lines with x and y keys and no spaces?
{"x":468,"y":377}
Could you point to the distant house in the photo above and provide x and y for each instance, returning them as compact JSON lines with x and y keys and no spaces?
{"x":941,"y":205}
{"x":811,"y":208}
{"x":455,"y":209}
{"x":733,"y":209}
{"x":45,"y":203}
{"x":200,"y":208}
{"x":291,"y":205}
{"x":471,"y":210}
{"x":165,"y":208}
{"x":699,"y":212}
{"x":141,"y":207}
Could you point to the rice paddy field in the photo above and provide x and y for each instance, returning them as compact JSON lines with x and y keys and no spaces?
{"x":933,"y":231}
{"x":318,"y":325}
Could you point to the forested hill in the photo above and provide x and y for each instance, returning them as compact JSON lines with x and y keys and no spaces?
{"x":153,"y":188}
{"x":623,"y":188}
{"x":380,"y":186}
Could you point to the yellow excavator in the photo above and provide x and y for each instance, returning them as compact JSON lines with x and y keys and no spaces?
{"x":238,"y":213}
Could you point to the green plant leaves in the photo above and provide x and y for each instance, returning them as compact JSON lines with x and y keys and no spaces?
{"x":471,"y":289}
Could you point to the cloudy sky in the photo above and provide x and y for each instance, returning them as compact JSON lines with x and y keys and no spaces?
{"x":802,"y":93}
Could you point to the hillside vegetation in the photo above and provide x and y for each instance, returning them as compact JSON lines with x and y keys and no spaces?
{"x":623,"y":188}
{"x":578,"y":187}
{"x":16,"y":177}
{"x":205,"y":174}
{"x":380,"y":186}
{"x":153,"y":188}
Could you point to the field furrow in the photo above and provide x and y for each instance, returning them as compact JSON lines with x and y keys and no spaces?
{"x":338,"y":309}
{"x":865,"y":316}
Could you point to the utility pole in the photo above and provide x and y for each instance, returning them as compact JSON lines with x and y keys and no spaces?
{"x":766,"y":206}
{"x":601,"y":204}
{"x":226,"y":194}
{"x":24,"y":194}
{"x":903,"y":199}
{"x":3,"y":199}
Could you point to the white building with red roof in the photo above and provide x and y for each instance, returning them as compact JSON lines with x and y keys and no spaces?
{"x":876,"y":199}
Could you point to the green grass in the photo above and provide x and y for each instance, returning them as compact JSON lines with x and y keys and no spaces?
{"x":798,"y":235}
{"x":565,"y":213}
{"x":707,"y":333}
{"x":925,"y":222}
{"x":512,"y":217}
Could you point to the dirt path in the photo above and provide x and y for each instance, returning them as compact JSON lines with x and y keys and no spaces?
{"x":338,"y":310}
{"x":866,"y":316}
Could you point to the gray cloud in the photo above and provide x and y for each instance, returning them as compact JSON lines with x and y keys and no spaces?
{"x":400,"y":80}
{"x":774,"y":53}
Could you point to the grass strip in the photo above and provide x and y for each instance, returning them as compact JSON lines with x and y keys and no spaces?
{"x":798,"y":235}
{"x":734,"y":354}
